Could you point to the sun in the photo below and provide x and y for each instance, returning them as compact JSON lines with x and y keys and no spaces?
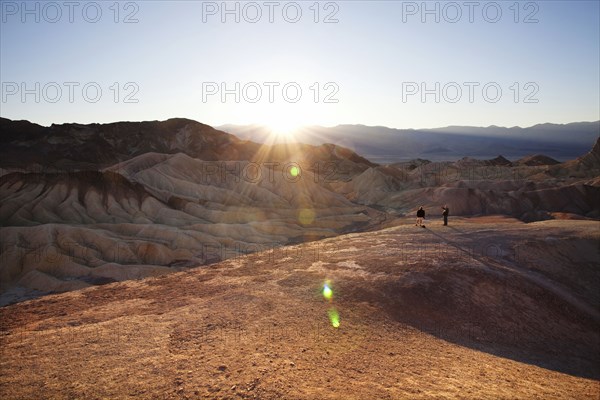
{"x":282,"y":122}
{"x":283,"y":125}
{"x":283,"y":128}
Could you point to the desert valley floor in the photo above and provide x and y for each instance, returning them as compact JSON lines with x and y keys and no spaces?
{"x":487,"y":307}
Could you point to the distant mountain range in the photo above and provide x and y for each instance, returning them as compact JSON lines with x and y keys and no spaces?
{"x":70,"y":147}
{"x":84,"y":205}
{"x":387,"y":145}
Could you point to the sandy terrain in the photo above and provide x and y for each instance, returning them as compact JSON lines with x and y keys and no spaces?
{"x":193,"y":264}
{"x":86,"y":205}
{"x":156,"y":214}
{"x":485,"y":308}
{"x":532,"y":189}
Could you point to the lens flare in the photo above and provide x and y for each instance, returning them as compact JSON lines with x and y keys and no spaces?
{"x":306,"y":216}
{"x":334,"y":317}
{"x":327,"y":292}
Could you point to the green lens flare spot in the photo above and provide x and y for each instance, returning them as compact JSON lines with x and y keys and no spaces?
{"x":306,"y":216}
{"x":334,"y":317}
{"x":327,"y":292}
{"x":294,"y":171}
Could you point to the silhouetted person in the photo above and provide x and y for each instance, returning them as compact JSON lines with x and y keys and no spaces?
{"x":420,"y":217}
{"x":445,"y":213}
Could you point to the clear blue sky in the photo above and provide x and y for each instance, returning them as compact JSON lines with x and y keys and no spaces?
{"x":373,"y":56}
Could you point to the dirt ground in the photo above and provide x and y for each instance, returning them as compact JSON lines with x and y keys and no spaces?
{"x":485,"y":308}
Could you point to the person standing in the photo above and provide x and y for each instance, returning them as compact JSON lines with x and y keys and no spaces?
{"x":445,"y":212}
{"x":420,"y":217}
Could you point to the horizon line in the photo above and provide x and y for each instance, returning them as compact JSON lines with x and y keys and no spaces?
{"x":263,"y":125}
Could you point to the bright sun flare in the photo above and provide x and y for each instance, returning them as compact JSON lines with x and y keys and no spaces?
{"x":284,"y":130}
{"x":283,"y":127}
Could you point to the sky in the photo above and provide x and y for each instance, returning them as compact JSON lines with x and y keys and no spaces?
{"x":283,"y":64}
